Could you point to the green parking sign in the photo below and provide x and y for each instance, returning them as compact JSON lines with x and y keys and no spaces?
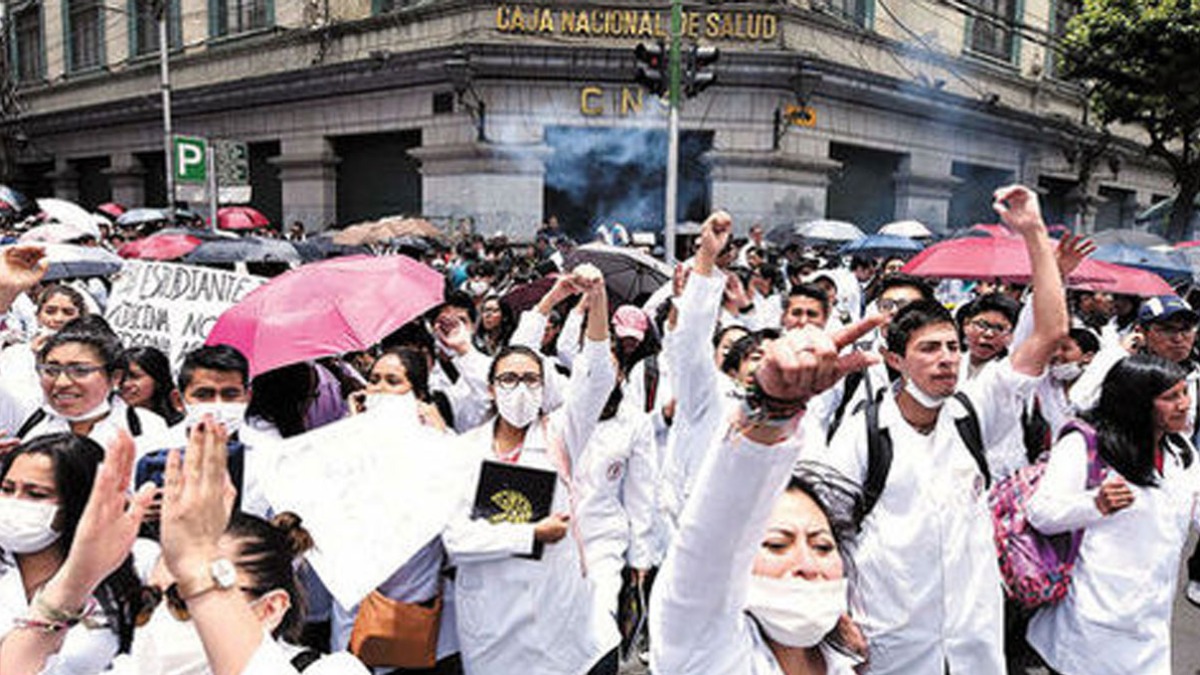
{"x":190,"y":159}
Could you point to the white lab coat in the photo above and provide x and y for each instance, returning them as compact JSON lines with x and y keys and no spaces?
{"x":929,"y":585}
{"x":155,"y":433}
{"x":271,"y":658}
{"x":702,"y":400}
{"x":468,"y":395}
{"x":616,"y":486}
{"x":534,"y":617}
{"x":698,"y":623}
{"x":18,"y":370}
{"x":1116,"y":618}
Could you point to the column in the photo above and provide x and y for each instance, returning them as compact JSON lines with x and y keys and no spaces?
{"x":127,"y":178}
{"x":308,"y":174}
{"x":924,"y":186}
{"x":498,"y":186}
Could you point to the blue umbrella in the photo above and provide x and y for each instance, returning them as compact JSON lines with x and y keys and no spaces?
{"x":1171,"y":266}
{"x":881,"y":245}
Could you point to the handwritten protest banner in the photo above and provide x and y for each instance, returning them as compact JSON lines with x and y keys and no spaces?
{"x":395,"y":482}
{"x":172,"y":306}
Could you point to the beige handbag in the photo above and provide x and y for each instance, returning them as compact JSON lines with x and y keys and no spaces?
{"x":396,"y":634}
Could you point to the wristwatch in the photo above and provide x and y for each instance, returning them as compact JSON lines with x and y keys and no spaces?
{"x":222,"y":576}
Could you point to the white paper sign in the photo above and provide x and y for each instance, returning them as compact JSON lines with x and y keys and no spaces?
{"x":372,"y":490}
{"x":172,"y":306}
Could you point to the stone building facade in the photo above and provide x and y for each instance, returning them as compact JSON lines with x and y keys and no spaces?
{"x":502,"y":114}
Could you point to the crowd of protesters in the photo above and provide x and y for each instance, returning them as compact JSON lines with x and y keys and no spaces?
{"x":781,"y":461}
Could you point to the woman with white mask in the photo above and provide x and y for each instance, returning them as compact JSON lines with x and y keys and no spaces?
{"x":44,"y":484}
{"x":221,"y":599}
{"x":517,"y":613}
{"x":755,"y":581}
{"x":399,"y":380}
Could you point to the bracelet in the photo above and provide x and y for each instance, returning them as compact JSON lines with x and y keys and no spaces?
{"x":60,"y":616}
{"x":39,"y":625}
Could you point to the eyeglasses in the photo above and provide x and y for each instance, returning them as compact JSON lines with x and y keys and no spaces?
{"x":1172,"y":330}
{"x":511,"y":380}
{"x":989,"y":327}
{"x":893,"y":305}
{"x":149,"y":597}
{"x":74,"y":371}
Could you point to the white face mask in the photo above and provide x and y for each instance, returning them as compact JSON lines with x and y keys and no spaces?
{"x":230,"y":414}
{"x":477,"y":287}
{"x":1066,"y":372}
{"x":102,"y":409}
{"x":392,"y":405}
{"x":520,"y":405}
{"x":165,"y":646}
{"x":926,"y":400}
{"x":794,"y":611}
{"x":25,"y":526}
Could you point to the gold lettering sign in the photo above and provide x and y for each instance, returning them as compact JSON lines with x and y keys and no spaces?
{"x":635,"y":24}
{"x":626,"y":101}
{"x":801,"y":116}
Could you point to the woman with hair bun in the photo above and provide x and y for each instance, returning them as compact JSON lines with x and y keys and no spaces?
{"x":224,"y":597}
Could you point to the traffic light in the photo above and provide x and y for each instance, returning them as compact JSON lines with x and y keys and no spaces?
{"x":652,"y":67}
{"x":697,"y":74}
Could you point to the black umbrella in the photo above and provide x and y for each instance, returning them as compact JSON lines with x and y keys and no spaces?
{"x":629,"y":274}
{"x":15,"y":205}
{"x":243,"y":249}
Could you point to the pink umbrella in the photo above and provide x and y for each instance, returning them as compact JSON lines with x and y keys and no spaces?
{"x":160,"y":247}
{"x":331,"y":307}
{"x":111,"y":209}
{"x":1128,"y":280}
{"x":240,"y":218}
{"x":1001,"y":257}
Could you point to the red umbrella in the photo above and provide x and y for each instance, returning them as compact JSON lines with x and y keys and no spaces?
{"x":240,"y":218}
{"x":1128,"y":280}
{"x":1003,"y":258}
{"x":1187,"y":244}
{"x":331,"y":307}
{"x":111,"y":209}
{"x":526,"y":296}
{"x":160,"y":247}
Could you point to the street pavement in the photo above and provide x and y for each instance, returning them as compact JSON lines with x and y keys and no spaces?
{"x":1185,"y":633}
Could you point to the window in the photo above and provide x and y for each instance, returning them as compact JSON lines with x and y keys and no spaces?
{"x":990,"y":28}
{"x":85,"y":30}
{"x":1063,"y":11}
{"x":230,"y":17}
{"x":857,"y":12}
{"x":27,"y":27}
{"x":144,"y":35}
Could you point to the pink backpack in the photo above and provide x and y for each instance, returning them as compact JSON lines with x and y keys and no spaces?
{"x":1036,"y":567}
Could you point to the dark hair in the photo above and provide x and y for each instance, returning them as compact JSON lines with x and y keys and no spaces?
{"x":489,"y":342}
{"x":155,"y":364}
{"x":739,"y":351}
{"x":511,"y":350}
{"x":221,"y":358}
{"x":282,"y":396}
{"x":453,"y":299}
{"x":267,"y":552}
{"x":812,"y":291}
{"x":721,"y":332}
{"x":73,"y":295}
{"x":416,"y":369}
{"x":76,"y":460}
{"x":105,"y":344}
{"x":1124,"y":416}
{"x":1085,"y":339}
{"x":992,"y":302}
{"x":911,"y":318}
{"x":858,"y":262}
{"x":900,"y":280}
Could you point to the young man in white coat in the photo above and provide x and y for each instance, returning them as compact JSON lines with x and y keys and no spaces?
{"x":929,"y":596}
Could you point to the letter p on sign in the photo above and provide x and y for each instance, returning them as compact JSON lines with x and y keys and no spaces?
{"x":190,"y":164}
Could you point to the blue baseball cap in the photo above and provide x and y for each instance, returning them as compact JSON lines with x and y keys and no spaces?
{"x":1164,"y":307}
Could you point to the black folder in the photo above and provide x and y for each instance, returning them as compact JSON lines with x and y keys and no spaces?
{"x":508,"y":493}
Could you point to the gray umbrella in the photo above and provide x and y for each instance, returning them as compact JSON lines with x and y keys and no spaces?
{"x":68,"y":261}
{"x":1128,"y":237}
{"x":244,"y":249}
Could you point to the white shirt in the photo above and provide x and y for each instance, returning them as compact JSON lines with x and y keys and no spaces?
{"x":698,"y":623}
{"x":929,"y":584}
{"x":533,"y":617}
{"x":18,"y":372}
{"x":155,"y":433}
{"x":1116,"y":618}
{"x":85,"y":650}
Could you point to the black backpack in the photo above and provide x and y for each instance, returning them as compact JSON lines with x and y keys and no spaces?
{"x":879,"y":447}
{"x":131,"y":420}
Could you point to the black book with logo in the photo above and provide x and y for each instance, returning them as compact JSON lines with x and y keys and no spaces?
{"x":508,"y":493}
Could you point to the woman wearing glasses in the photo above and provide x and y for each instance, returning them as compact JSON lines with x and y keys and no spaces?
{"x":76,"y":369}
{"x":222,"y":599}
{"x":516,"y":613}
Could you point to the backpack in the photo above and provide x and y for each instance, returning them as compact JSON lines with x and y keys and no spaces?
{"x":1036,"y":567}
{"x":131,"y":420}
{"x":879,"y":447}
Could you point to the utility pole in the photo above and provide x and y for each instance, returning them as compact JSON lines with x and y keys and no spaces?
{"x":165,"y":85}
{"x":673,"y":95}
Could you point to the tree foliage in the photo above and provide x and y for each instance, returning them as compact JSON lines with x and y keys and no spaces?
{"x":1140,"y":61}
